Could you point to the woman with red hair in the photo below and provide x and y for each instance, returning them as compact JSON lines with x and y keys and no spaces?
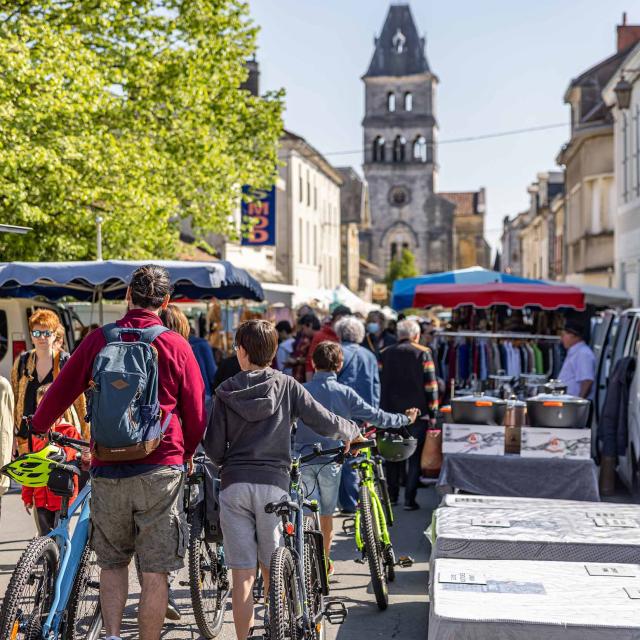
{"x":37,"y":367}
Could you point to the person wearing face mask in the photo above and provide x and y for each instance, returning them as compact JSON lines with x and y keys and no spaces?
{"x":37,"y":367}
{"x":377,"y":338}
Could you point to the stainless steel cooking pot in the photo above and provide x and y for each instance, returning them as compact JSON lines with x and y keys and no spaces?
{"x":478,"y":409}
{"x":558,"y":410}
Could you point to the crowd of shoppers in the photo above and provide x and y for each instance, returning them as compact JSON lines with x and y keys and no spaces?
{"x":351,"y":373}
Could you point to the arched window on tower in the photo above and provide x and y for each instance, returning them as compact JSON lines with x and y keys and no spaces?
{"x":399,"y":145}
{"x":420,"y":149}
{"x":378,"y":149}
{"x":408,"y":101}
{"x":391,"y":102}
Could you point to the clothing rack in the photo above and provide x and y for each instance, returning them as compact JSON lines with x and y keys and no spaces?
{"x":506,"y":335}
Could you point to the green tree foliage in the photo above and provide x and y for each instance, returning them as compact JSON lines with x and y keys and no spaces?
{"x":129,"y":108}
{"x":405,"y":267}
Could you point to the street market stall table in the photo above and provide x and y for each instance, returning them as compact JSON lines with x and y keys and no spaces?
{"x":519,"y":477}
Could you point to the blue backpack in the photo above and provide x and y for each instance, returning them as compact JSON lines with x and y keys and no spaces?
{"x":125,"y":415}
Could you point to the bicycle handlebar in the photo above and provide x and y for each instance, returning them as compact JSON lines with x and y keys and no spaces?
{"x":64,"y":441}
{"x":336,"y":451}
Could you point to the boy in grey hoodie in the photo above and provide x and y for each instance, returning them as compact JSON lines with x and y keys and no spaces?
{"x":249,"y":437}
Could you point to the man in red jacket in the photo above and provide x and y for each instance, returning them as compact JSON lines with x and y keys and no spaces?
{"x":136,"y":506}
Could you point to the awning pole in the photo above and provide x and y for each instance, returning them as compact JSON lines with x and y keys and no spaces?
{"x":100,"y":307}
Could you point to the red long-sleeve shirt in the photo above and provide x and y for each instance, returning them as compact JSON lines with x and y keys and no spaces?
{"x":180,"y":389}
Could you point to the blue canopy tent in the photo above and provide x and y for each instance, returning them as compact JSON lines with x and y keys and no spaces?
{"x":108,"y":279}
{"x":404,"y":290}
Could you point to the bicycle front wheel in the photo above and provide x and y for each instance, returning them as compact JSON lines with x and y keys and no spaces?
{"x":30,"y":592}
{"x":84,"y":618}
{"x":373,"y":549}
{"x":208,"y":580}
{"x":282,"y":597}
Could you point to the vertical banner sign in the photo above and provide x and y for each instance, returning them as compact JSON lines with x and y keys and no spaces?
{"x":259,"y":218}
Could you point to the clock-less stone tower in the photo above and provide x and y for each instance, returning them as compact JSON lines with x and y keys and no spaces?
{"x":400,"y":130}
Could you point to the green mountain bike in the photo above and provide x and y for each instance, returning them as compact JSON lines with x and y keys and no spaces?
{"x":374,"y":516}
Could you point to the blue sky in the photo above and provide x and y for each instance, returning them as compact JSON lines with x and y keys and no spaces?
{"x":502,"y":65}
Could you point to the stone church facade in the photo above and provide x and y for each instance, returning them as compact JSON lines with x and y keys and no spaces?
{"x":400,"y":161}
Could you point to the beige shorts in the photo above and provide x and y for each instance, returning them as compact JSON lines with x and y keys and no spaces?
{"x":141,"y":515}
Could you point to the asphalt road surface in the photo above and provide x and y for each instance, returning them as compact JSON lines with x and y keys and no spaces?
{"x":406,"y":617}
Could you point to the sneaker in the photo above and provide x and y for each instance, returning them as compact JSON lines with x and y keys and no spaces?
{"x":330,"y":568}
{"x":173,"y":611}
{"x":411,"y":506}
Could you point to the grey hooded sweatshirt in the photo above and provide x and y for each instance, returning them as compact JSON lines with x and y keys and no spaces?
{"x":249,"y":432}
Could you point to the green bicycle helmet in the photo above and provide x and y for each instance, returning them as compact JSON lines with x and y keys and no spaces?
{"x":33,"y":469}
{"x":396,"y":448}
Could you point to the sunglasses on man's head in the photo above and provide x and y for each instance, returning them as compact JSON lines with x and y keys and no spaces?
{"x":36,"y":333}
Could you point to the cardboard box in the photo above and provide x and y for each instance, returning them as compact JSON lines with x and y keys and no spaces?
{"x":473,"y":438}
{"x":544,"y":442}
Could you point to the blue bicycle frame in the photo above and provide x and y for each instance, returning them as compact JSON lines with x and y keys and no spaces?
{"x":71,"y":550}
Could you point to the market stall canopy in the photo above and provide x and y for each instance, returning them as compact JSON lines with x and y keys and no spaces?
{"x":109,"y":279}
{"x":514,"y":295}
{"x":404,"y":290}
{"x":601,"y":296}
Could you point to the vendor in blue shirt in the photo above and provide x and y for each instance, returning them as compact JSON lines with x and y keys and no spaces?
{"x":579,"y":368}
{"x":322,"y":480}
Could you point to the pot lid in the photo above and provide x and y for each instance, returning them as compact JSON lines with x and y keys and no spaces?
{"x":479,"y":399}
{"x":557,"y":399}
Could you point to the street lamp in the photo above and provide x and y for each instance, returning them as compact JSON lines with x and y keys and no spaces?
{"x":623,"y":89}
{"x":623,"y":93}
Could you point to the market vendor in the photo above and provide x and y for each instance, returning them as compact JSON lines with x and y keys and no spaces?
{"x":579,"y":369}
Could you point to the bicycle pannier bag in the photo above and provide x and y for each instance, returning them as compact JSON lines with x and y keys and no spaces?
{"x":124,"y":412}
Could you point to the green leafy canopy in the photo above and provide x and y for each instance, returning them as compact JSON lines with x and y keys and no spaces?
{"x":405,"y":267}
{"x":132,"y":109}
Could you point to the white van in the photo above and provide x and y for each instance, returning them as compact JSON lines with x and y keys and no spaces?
{"x":14,"y":328}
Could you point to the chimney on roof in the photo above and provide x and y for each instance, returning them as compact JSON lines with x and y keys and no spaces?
{"x":628,"y":34}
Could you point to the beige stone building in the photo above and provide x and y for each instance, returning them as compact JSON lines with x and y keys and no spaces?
{"x":355,"y":218}
{"x":308,"y":226}
{"x":532,"y":237}
{"x":588,"y":160}
{"x":470,"y":248}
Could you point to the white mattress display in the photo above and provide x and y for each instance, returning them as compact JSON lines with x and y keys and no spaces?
{"x":525,"y":600}
{"x":504,"y":502}
{"x":577,"y":534}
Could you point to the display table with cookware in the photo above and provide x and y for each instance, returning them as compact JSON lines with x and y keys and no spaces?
{"x":538,"y":447}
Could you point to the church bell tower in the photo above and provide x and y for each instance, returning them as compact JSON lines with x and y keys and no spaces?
{"x":400,"y":163}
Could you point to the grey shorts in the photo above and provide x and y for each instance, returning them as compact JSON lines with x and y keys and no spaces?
{"x":250,"y":534}
{"x":142,"y":515}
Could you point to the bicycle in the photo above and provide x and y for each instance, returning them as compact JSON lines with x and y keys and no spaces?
{"x":373,"y":517}
{"x":208,"y":576}
{"x":298,"y":570}
{"x":54,"y":590}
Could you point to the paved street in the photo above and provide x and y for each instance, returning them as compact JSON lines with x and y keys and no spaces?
{"x":406,"y":617}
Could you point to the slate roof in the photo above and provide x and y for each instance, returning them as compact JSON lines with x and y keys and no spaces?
{"x":592,"y":82}
{"x":389,"y":59}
